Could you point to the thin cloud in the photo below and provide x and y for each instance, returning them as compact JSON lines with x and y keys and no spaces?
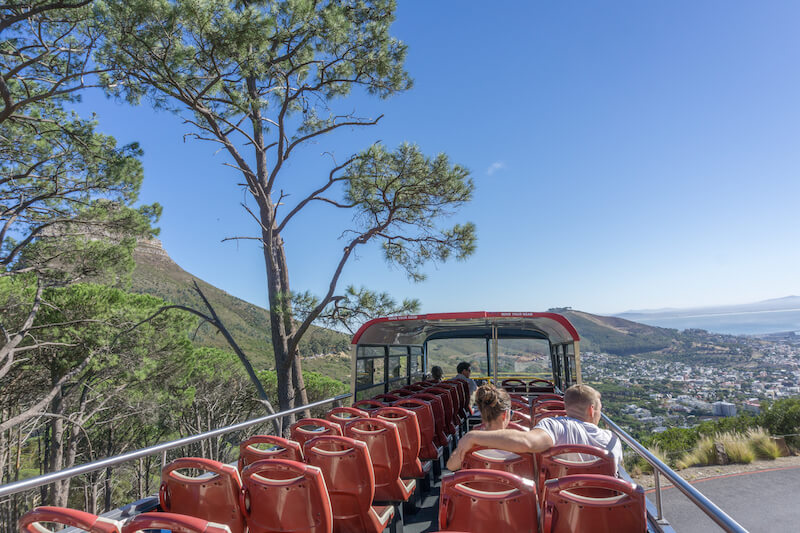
{"x":494,"y":167}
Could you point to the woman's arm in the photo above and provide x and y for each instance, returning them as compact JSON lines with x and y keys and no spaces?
{"x":536,"y":440}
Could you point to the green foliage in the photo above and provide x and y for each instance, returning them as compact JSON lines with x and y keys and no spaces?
{"x":318,"y":386}
{"x":782,"y":417}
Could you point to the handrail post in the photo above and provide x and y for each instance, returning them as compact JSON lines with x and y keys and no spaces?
{"x":659,"y":508}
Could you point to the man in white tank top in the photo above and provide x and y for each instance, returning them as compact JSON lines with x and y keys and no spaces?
{"x":583,"y":408}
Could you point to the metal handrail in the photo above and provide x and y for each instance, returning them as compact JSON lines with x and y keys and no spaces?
{"x":707,"y":506}
{"x":32,"y":483}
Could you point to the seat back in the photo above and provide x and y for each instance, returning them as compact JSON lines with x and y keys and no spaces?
{"x":566,"y":509}
{"x":466,"y":396}
{"x":385,"y":452}
{"x":212,"y":496}
{"x":541,"y":385}
{"x":514,"y":385}
{"x":455,"y":399}
{"x":345,"y":464}
{"x":32,"y":521}
{"x":402,"y":393}
{"x":570,"y":459}
{"x":308,"y":428}
{"x":343,"y":415}
{"x":547,"y":405}
{"x":279,"y":448}
{"x":176,"y":523}
{"x":427,"y":426}
{"x":522,"y":419}
{"x":416,"y":387}
{"x":521,"y":464}
{"x":547,"y":414}
{"x":440,"y":437}
{"x":447,"y":405}
{"x":387,"y":398}
{"x":520,"y":405}
{"x":488,"y":501}
{"x":368,"y":405}
{"x":283,"y":495}
{"x":408,"y":428}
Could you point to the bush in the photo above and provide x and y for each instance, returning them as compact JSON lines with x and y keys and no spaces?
{"x":762,"y":444}
{"x":737,"y":447}
{"x":703,"y":454}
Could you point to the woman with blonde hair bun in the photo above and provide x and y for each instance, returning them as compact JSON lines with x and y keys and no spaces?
{"x":494,"y":405}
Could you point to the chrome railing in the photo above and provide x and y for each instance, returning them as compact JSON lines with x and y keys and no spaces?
{"x":659,"y":468}
{"x":46,"y":479}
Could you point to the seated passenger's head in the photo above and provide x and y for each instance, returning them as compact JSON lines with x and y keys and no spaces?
{"x":494,"y":405}
{"x":464,"y":369}
{"x":583,"y":402}
{"x":436,"y":372}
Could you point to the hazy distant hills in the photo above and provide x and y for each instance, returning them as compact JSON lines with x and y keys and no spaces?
{"x":768,"y":316}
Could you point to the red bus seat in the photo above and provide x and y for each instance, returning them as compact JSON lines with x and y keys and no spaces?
{"x":416,"y":387}
{"x":514,"y":385}
{"x":440,"y":435}
{"x":488,"y":501}
{"x":386,"y":454}
{"x":308,"y":428}
{"x":283,"y":495}
{"x":455,"y":398}
{"x":560,"y":461}
{"x":407,"y":426}
{"x":280,"y":448}
{"x":547,"y":405}
{"x":565,"y":509}
{"x":447,"y":404}
{"x":343,"y":415}
{"x":31,"y":521}
{"x":467,"y":396}
{"x":541,"y":385}
{"x":427,"y":427}
{"x":177,"y":523}
{"x":388,"y":399}
{"x":522,"y":419}
{"x":213,"y":496}
{"x":368,"y":405}
{"x":520,"y":405}
{"x":402,"y":392}
{"x":521,"y":464}
{"x":345,"y":464}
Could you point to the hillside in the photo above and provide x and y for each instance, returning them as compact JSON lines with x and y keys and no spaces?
{"x":157,"y":274}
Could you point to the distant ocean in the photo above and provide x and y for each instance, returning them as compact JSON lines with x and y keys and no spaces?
{"x":748,"y":323}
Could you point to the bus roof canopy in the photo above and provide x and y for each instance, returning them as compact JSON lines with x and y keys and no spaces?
{"x":417,"y":329}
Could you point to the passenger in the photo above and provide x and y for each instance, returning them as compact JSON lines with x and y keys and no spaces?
{"x":436,"y":373}
{"x":578,"y":427}
{"x":464,"y":371}
{"x":495,"y":407}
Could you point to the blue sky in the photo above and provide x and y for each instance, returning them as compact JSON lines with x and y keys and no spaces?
{"x":626,"y":155}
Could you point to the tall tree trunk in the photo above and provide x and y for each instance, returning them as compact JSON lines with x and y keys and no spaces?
{"x":58,"y":494}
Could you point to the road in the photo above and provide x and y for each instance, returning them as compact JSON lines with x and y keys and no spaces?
{"x":763,"y":500}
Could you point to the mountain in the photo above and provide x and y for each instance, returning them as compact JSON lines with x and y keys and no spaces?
{"x":758,"y":318}
{"x":158,"y":275}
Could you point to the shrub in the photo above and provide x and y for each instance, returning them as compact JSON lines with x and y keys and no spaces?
{"x":737,"y":447}
{"x":762,"y":445}
{"x":703,"y":454}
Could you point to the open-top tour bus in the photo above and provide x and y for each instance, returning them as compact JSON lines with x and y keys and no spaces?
{"x":379,"y":464}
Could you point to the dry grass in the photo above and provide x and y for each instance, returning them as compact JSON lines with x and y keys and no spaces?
{"x":702,"y":454}
{"x":762,"y":444}
{"x":737,"y":447}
